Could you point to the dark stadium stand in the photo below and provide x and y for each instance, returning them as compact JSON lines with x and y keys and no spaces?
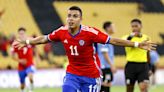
{"x":150,"y":5}
{"x":47,"y":19}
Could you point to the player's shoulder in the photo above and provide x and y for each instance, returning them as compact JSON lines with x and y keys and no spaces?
{"x":89,"y":29}
{"x":65,"y":27}
{"x":61,"y":29}
{"x":146,"y":36}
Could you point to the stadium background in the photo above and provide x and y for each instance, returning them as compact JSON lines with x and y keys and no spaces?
{"x":43,"y":16}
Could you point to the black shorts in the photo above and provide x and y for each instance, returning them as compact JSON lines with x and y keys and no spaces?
{"x":152,"y":68}
{"x":136,"y":72}
{"x":107,"y":75}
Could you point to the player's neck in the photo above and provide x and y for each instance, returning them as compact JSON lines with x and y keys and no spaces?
{"x":74,"y":31}
{"x":110,"y":34}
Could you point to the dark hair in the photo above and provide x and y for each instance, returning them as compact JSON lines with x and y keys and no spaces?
{"x":107,"y":24}
{"x":21,"y":29}
{"x":76,"y":8}
{"x":136,"y":20}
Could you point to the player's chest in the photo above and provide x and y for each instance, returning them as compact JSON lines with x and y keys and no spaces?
{"x":79,"y":42}
{"x":139,"y":39}
{"x":24,"y":50}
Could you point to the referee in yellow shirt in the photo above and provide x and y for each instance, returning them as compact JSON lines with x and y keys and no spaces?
{"x":137,"y":67}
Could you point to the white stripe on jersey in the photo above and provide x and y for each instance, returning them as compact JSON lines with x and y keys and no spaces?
{"x":92,"y":30}
{"x":97,"y":66}
{"x":94,"y":52}
{"x":107,"y":40}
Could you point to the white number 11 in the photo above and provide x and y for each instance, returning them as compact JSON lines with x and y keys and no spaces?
{"x":74,"y":51}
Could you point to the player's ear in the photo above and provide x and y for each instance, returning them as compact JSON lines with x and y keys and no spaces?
{"x":141,"y":26}
{"x":81,"y":18}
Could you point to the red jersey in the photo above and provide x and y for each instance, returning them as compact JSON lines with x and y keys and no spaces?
{"x":83,"y":59}
{"x":24,"y":53}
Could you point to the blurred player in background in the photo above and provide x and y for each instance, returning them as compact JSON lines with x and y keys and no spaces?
{"x":106,"y":55}
{"x":24,"y":56}
{"x":154,"y":58}
{"x":83,"y":72}
{"x":1,"y":13}
{"x":137,"y":68}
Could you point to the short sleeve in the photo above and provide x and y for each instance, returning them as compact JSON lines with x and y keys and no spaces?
{"x":100,"y":37}
{"x":55,"y":35}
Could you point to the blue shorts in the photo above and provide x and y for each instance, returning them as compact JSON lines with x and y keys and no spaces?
{"x":75,"y":83}
{"x":24,"y":73}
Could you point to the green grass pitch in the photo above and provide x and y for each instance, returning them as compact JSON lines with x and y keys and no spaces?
{"x":159,"y":88}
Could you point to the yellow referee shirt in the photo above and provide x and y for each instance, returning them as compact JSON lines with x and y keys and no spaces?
{"x":134,"y":54}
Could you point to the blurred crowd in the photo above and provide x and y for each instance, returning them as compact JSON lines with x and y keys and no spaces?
{"x":4,"y":43}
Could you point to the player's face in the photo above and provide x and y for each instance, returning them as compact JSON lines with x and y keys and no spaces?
{"x":21,"y":34}
{"x":136,"y":27}
{"x":111,"y":29}
{"x":73,"y":19}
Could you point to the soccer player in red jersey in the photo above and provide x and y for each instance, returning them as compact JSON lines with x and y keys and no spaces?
{"x":24,"y":56}
{"x":83,"y":72}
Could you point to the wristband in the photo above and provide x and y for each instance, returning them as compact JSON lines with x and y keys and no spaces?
{"x":136,"y":44}
{"x":27,"y":42}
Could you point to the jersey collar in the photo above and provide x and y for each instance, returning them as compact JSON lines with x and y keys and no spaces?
{"x":76,"y":33}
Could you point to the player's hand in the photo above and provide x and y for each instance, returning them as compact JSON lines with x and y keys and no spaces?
{"x":113,"y":69}
{"x":147,"y":45}
{"x":18,"y":43}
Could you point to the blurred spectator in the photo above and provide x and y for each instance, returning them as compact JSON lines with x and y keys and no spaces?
{"x":3,"y":45}
{"x":1,"y":13}
{"x":11,"y":38}
{"x":140,"y":8}
{"x":9,"y":67}
{"x":162,"y":37}
{"x":36,"y":51}
{"x":47,"y":51}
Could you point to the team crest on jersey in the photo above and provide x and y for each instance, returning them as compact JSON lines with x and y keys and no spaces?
{"x":81,"y":42}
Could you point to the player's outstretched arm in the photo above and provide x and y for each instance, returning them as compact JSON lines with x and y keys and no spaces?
{"x":38,"y":40}
{"x":19,"y":43}
{"x":143,"y":45}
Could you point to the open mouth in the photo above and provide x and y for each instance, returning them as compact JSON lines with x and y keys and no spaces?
{"x":71,"y":23}
{"x":135,"y":31}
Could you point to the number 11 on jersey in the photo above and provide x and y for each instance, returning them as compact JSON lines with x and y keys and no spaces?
{"x":74,"y":51}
